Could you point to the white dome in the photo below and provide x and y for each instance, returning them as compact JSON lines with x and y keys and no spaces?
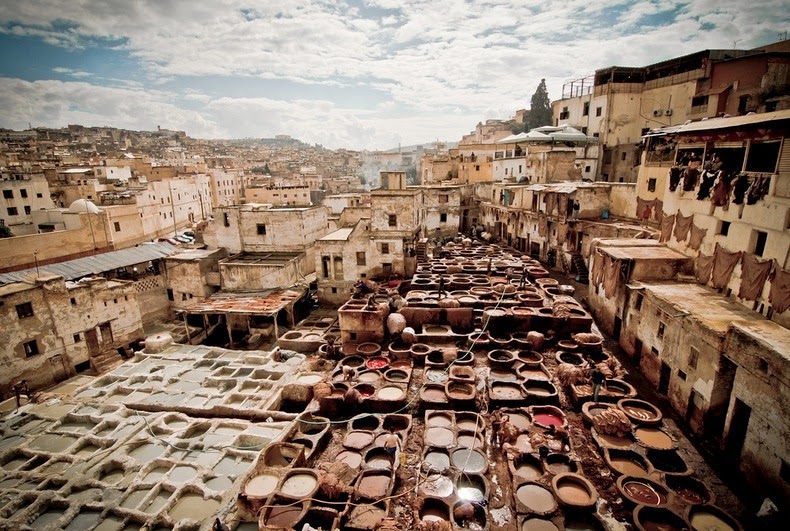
{"x":83,"y":205}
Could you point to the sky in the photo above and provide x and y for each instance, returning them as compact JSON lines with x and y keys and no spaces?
{"x":357,"y":74}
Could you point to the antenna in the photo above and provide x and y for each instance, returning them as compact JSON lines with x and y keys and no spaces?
{"x":736,"y":42}
{"x":782,"y":36}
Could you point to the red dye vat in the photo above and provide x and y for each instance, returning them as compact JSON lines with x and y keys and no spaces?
{"x":547,"y":419}
{"x":377,"y":363}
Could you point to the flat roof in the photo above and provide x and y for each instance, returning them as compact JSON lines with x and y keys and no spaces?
{"x":279,"y":258}
{"x":268,"y":302}
{"x":629,"y":242}
{"x":644,"y":253}
{"x":338,"y":235}
{"x":773,"y":336}
{"x":702,"y":304}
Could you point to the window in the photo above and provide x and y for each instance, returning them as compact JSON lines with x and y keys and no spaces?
{"x":784,"y":471}
{"x":696,"y":101}
{"x":8,"y":194}
{"x":226,"y":219}
{"x":73,"y":301}
{"x":39,"y":195}
{"x":724,"y":228}
{"x":261,"y":229}
{"x":442,"y":218}
{"x":444,"y":198}
{"x":763,"y":157}
{"x":638,"y":301}
{"x":587,"y":169}
{"x":654,"y":351}
{"x":682,"y":375}
{"x":27,"y":210}
{"x":386,"y":269}
{"x":693,"y":358}
{"x":477,"y":167}
{"x":586,"y":110}
{"x":660,"y":334}
{"x":385,"y":248}
{"x":23,"y":192}
{"x":31,"y":348}
{"x":651,"y":185}
{"x":334,"y":290}
{"x":762,"y":365}
{"x":77,"y":338}
{"x":12,"y":211}
{"x":393,"y":220}
{"x":183,"y":296}
{"x":564,"y":114}
{"x":743,"y":102}
{"x":170,"y":296}
{"x":758,"y":242}
{"x":117,"y":226}
{"x":584,"y":130}
{"x":24,"y":310}
{"x":623,"y":155}
{"x":598,"y":111}
{"x":361,"y":259}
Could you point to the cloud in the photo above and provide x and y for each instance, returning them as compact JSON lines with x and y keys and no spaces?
{"x":432,"y":58}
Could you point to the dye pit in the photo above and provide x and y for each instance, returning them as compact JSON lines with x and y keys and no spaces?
{"x":493,"y":428}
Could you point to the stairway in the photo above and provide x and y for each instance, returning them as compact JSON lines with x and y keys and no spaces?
{"x":106,"y":361}
{"x":580,"y":267}
{"x":422,"y":255}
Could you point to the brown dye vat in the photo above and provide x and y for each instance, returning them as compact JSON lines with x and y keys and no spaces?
{"x":653,"y":438}
{"x":440,"y":420}
{"x":614,"y":441}
{"x":667,"y":461}
{"x":520,"y":421}
{"x":539,"y":388}
{"x":643,"y":491}
{"x":374,"y":486}
{"x":433,"y":393}
{"x":357,"y":440}
{"x":640,"y":411}
{"x":711,"y":517}
{"x":460,"y":390}
{"x":560,"y":464}
{"x":434,"y":511}
{"x":365,"y":422}
{"x":627,"y":462}
{"x":531,"y":373}
{"x":283,"y":516}
{"x":439,"y":437}
{"x":689,"y":489}
{"x":657,"y":519}
{"x":506,"y":391}
{"x":352,"y":459}
{"x":538,"y":524}
{"x":528,"y":467}
{"x":396,"y":422}
{"x":469,"y":440}
{"x":468,"y":421}
{"x":536,"y":498}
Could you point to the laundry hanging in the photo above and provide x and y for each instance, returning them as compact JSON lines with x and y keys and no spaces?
{"x":739,"y":188}
{"x":690,"y":178}
{"x":562,"y":233}
{"x":667,"y":222}
{"x":658,"y":212}
{"x":759,"y":189}
{"x":610,"y":276}
{"x":754,"y":273}
{"x":708,"y":178}
{"x":724,"y":263}
{"x":597,"y":268}
{"x":682,"y":226}
{"x":704,"y":268}
{"x":674,"y":178}
{"x":721,"y":192}
{"x":780,"y":291}
{"x":697,"y":235}
{"x":543,"y":226}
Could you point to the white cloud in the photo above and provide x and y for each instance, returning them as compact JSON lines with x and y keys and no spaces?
{"x":432,"y":58}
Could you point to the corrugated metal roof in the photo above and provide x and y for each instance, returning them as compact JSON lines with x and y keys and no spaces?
{"x":723,"y":123}
{"x":97,"y":264}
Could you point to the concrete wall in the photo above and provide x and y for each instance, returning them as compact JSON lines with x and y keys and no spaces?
{"x":622,"y":200}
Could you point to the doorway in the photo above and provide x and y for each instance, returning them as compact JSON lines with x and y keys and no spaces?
{"x":738,"y":427}
{"x":637,"y":350}
{"x":663,"y":380}
{"x":618,"y":325}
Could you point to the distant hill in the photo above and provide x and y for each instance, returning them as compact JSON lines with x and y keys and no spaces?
{"x":413,"y":147}
{"x":270,"y":142}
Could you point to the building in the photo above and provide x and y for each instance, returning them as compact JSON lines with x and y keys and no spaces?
{"x":620,"y":104}
{"x":295,"y":195}
{"x":54,"y":329}
{"x":22,"y":194}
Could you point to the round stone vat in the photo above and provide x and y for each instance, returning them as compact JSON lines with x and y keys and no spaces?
{"x":564,"y":356}
{"x":283,"y":514}
{"x":626,"y":462}
{"x":377,"y":363}
{"x":433,"y":393}
{"x":667,"y":461}
{"x":640,"y":412}
{"x":653,"y":438}
{"x":506,"y":391}
{"x":396,"y":422}
{"x":439,"y":419}
{"x":568,"y":344}
{"x":357,"y":440}
{"x":707,"y":517}
{"x":501,"y":358}
{"x":462,"y":373}
{"x":548,"y":416}
{"x":299,"y":483}
{"x":353,"y":361}
{"x":538,"y":524}
{"x":658,"y":519}
{"x":478,"y":520}
{"x":460,"y":390}
{"x":439,"y":437}
{"x":536,"y":498}
{"x":642,"y":491}
{"x":574,"y":490}
{"x":560,"y":464}
{"x":396,"y":375}
{"x":690,"y":490}
{"x":541,"y":390}
{"x":434,"y":510}
{"x":469,"y":460}
{"x":530,"y":358}
{"x":472,"y":488}
{"x":593,"y":409}
{"x":528,"y":467}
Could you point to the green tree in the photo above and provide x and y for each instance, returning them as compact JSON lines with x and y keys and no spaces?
{"x":540,"y":109}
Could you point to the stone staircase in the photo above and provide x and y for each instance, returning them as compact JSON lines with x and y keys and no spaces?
{"x":422,"y":255}
{"x":106,"y":361}
{"x":580,"y":268}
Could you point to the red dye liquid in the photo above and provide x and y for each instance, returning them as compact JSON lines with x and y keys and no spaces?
{"x":547,"y":419}
{"x":365,"y":391}
{"x":377,"y":363}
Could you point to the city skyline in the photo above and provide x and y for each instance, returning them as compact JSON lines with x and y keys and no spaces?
{"x":362,"y":75}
